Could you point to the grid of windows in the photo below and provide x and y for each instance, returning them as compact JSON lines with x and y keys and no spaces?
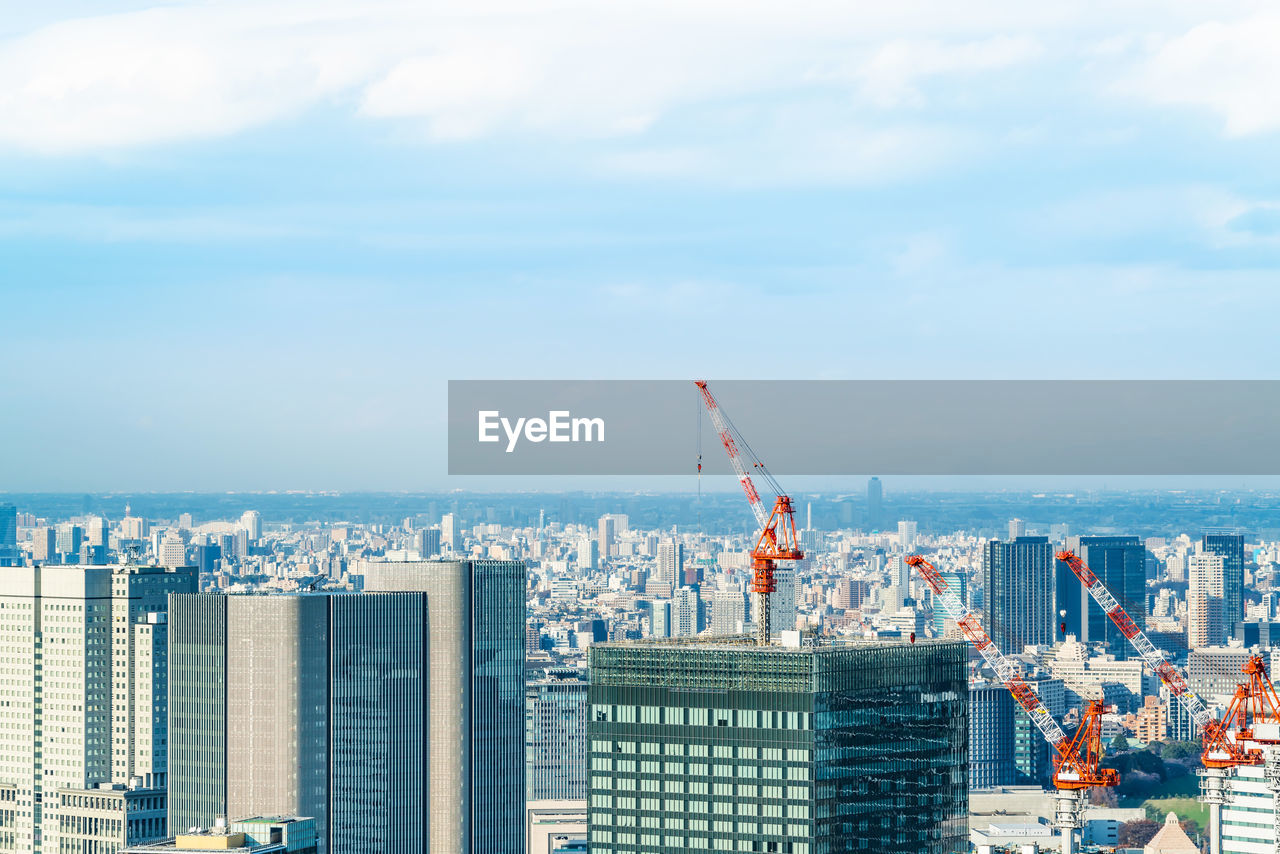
{"x":706,"y":747}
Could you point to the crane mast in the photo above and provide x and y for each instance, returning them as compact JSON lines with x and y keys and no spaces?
{"x":778,"y":539}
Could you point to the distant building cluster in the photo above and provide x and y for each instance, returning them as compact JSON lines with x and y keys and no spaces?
{"x":467,"y":680}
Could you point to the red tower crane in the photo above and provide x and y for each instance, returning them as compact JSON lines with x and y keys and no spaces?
{"x":778,"y":539}
{"x":1228,"y":743}
{"x":1077,"y":763}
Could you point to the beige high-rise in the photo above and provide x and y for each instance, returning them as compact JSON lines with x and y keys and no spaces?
{"x":82,"y":723}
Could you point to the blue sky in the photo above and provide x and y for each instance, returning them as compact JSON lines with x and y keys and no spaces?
{"x":244,"y":245}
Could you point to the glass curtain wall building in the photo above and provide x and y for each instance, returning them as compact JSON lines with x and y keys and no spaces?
{"x":804,"y":751}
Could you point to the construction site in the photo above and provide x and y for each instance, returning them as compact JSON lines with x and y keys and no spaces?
{"x":1238,"y":740}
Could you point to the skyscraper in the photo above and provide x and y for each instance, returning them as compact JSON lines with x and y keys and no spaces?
{"x":607,"y":531}
{"x":477,"y":614}
{"x":1018,"y":585}
{"x":1231,"y":548}
{"x":716,"y":746}
{"x":8,"y":534}
{"x":251,"y":522}
{"x":1205,"y":608}
{"x":1120,"y":562}
{"x":449,"y":539}
{"x":671,"y":563}
{"x":686,"y":613}
{"x":85,"y":703}
{"x":304,"y":704}
{"x":728,"y":611}
{"x":782,"y":602}
{"x":556,"y":736}
{"x":875,"y":504}
{"x":991,"y":719}
{"x":907,"y":534}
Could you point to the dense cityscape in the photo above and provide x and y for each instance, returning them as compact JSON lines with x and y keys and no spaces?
{"x":331,"y":673}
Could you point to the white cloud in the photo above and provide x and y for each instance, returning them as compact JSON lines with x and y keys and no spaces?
{"x":575,"y":69}
{"x":891,"y":76}
{"x":1227,"y":67}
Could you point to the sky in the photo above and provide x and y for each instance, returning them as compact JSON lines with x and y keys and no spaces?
{"x":244,"y":245}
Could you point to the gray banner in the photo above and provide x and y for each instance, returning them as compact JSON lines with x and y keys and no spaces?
{"x":819,"y":427}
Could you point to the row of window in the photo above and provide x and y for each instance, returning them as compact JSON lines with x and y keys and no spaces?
{"x":654,"y":841}
{"x":681,"y":716}
{"x":718,"y":751}
{"x":678,"y":809}
{"x":629,"y":802}
{"x":700,"y":769}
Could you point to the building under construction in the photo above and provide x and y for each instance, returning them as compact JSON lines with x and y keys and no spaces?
{"x":726,"y":745}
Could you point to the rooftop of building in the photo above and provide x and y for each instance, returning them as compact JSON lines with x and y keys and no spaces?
{"x":797,"y":643}
{"x":737,"y":663}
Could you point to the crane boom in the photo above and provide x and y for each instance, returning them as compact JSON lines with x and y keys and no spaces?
{"x":1155,"y":659}
{"x":778,"y":539}
{"x":730,"y":439}
{"x":1077,"y":767}
{"x":1008,"y":672}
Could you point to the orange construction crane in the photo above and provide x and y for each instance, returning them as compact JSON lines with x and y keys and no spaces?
{"x":778,"y":539}
{"x":1229,"y":742}
{"x":1077,"y":761}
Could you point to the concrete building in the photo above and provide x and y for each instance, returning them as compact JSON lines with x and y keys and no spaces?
{"x":556,"y":736}
{"x":553,"y":827}
{"x":251,"y":522}
{"x":1206,"y":605}
{"x":687,"y":618}
{"x":727,"y":746}
{"x":396,"y":717}
{"x":476,"y":697}
{"x":263,"y":835}
{"x":782,"y":602}
{"x":606,"y":536}
{"x":728,"y":611}
{"x":1230,"y":547}
{"x":84,"y":751}
{"x":670,"y":564}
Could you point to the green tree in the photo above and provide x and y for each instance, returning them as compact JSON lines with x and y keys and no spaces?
{"x":1119,"y":743}
{"x":1137,"y":833}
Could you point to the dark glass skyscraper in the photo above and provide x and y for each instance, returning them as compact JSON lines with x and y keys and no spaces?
{"x":8,"y":535}
{"x":1018,"y":584}
{"x":378,"y":660}
{"x":806,"y":751}
{"x":1231,"y":547}
{"x":875,"y":501}
{"x":1121,"y":564}
{"x":991,"y":735}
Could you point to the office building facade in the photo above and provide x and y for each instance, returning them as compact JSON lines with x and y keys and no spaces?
{"x":476,"y":613}
{"x":1120,"y":562}
{"x":85,"y":751}
{"x":1018,"y":586}
{"x":806,"y":751}
{"x":991,"y":738}
{"x":311,"y":701}
{"x":556,"y":736}
{"x":1230,"y":547}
